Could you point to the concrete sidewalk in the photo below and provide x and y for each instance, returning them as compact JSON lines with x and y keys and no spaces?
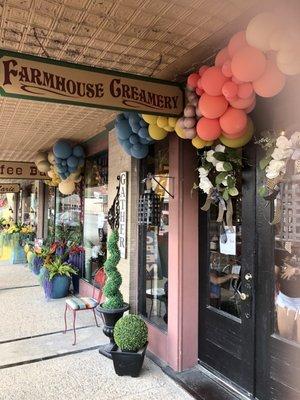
{"x":37,"y":361}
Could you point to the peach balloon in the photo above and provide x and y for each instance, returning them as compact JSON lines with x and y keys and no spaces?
{"x":248,"y":64}
{"x":213,"y":80}
{"x":208,"y":129}
{"x":271,"y":82}
{"x":230,"y":90}
{"x":245,"y":90}
{"x":212,"y":106}
{"x":261,"y":28}
{"x":192,"y":80}
{"x":221,"y":57}
{"x":249,"y":127}
{"x":199,"y":91}
{"x":233,"y":120}
{"x":242,"y":103}
{"x":237,"y":41}
{"x":199,"y":84}
{"x":235,"y":80}
{"x":203,"y":69}
{"x":251,"y":107}
{"x":226,"y":69}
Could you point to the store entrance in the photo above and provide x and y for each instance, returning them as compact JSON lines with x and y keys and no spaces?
{"x":245,"y":337}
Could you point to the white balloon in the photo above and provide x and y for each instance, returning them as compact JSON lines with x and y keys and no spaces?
{"x":51,"y":157}
{"x":260,"y":30}
{"x":41,"y":156}
{"x":43,"y":166}
{"x":66,"y":187}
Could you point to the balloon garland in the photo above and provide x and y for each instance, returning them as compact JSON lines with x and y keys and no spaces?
{"x":63,"y":164}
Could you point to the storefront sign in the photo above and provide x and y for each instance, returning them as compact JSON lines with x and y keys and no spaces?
{"x":36,"y":78}
{"x":9,"y":188}
{"x":123,"y":215}
{"x":20,"y":170}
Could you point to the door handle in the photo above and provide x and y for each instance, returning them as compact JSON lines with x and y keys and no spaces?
{"x":243,"y":296}
{"x":248,"y":276}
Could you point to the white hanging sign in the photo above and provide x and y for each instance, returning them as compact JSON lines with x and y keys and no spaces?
{"x":123,"y":215}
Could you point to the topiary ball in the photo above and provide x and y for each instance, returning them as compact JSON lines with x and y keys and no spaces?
{"x":130,"y":333}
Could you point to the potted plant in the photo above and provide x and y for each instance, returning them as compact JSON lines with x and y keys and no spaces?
{"x":76,"y":259}
{"x":113,"y":308}
{"x":130,"y":334}
{"x":56,"y":278}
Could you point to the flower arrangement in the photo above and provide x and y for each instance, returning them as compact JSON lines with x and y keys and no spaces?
{"x":16,"y":235}
{"x":218,"y":178}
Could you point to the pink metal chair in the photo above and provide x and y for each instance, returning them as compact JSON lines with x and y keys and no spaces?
{"x":75,"y":303}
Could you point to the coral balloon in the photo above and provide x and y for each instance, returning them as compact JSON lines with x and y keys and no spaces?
{"x":236,"y":143}
{"x":241,"y":104}
{"x":199,"y":84}
{"x":200,"y":144}
{"x":251,"y":107}
{"x":248,"y":64}
{"x":213,"y":80}
{"x":233,"y":120}
{"x":271,"y":82}
{"x":261,"y":28}
{"x":212,"y":106}
{"x":221,"y":57}
{"x":203,"y":69}
{"x":226,"y":69}
{"x":208,"y":129}
{"x":157,"y":133}
{"x":199,"y":91}
{"x":249,"y":128}
{"x":230,"y":90}
{"x":237,"y":41}
{"x":192,"y":80}
{"x":245,"y":90}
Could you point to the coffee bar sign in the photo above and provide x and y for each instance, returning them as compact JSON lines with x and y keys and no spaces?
{"x":20,"y":170}
{"x":36,"y":78}
{"x":9,"y":188}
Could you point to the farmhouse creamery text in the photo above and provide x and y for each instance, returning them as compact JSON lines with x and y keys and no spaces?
{"x":83,"y":86}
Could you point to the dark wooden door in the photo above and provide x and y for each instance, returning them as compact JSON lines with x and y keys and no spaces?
{"x":227,"y":318}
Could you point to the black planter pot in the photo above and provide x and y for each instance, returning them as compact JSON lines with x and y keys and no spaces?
{"x":110,"y":318}
{"x":128,"y":363}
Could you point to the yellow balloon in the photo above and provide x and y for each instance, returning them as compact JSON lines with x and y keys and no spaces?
{"x":172,"y":121}
{"x":168,"y":128}
{"x":162,"y":122}
{"x":156,"y":133}
{"x":200,"y":143}
{"x":242,"y":141}
{"x":179,"y":131}
{"x":150,"y":119}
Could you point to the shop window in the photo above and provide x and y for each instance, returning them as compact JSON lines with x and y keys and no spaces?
{"x":95,"y":213}
{"x":153,"y":237}
{"x":68,"y":216}
{"x":51,"y":213}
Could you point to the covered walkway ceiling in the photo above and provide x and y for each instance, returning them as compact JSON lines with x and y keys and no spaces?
{"x":148,"y":37}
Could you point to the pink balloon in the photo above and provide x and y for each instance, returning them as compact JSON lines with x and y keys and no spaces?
{"x":245,"y":90}
{"x":189,"y":122}
{"x":199,"y":84}
{"x":233,"y":121}
{"x":213,"y":80}
{"x":226,"y":69}
{"x":208,"y":129}
{"x":192,"y":80}
{"x":203,"y":69}
{"x":237,"y":41}
{"x":235,"y":80}
{"x":230,"y":90}
{"x":199,"y":91}
{"x":248,"y":64}
{"x":189,"y":111}
{"x":190,"y":133}
{"x":251,"y":107}
{"x":271,"y":82}
{"x":242,"y":103}
{"x":221,"y":57}
{"x":212,"y":106}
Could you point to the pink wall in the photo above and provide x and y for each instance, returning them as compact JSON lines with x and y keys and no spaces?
{"x":179,"y":347}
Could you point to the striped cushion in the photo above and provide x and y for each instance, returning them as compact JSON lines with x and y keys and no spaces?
{"x":81,"y":303}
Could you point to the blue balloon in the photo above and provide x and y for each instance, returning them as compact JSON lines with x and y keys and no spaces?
{"x":119,"y":117}
{"x":143,"y":123}
{"x":72,"y":169}
{"x":135,"y":126}
{"x":144,"y":141}
{"x":81,"y":162}
{"x":62,"y":149}
{"x":61,"y":168}
{"x":134,"y":139}
{"x":64,"y":163}
{"x":139,"y":151}
{"x":143,"y":133}
{"x":123,"y":129}
{"x":63,"y":176}
{"x":67,"y":174}
{"x":58,"y":160}
{"x":78,"y":151}
{"x":72,"y":161}
{"x":126,"y":146}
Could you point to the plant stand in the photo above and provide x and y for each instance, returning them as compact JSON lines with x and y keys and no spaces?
{"x":110,"y":318}
{"x":128,"y":363}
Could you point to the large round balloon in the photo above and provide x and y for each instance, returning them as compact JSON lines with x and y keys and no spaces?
{"x":248,"y":64}
{"x":212,"y":106}
{"x":139,"y":150}
{"x":213,"y":80}
{"x":221,"y":57}
{"x":271,"y":82}
{"x":249,"y":128}
{"x":162,"y":121}
{"x":192,"y":80}
{"x":236,"y":143}
{"x":242,"y":104}
{"x":66,"y":187}
{"x":123,"y":129}
{"x":233,"y":120}
{"x":288,"y":62}
{"x":157,"y":133}
{"x":78,"y":151}
{"x":208,"y":129}
{"x":62,"y":149}
{"x":260,"y":30}
{"x":150,"y":119}
{"x":237,"y":41}
{"x":44,"y":166}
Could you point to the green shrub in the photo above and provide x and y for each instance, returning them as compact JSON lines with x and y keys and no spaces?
{"x":130,"y":333}
{"x":57,"y":267}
